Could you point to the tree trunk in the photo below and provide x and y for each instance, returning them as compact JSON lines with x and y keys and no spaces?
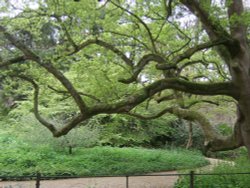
{"x":244,"y":128}
{"x":240,"y":77}
{"x":70,"y":150}
{"x":190,"y":136}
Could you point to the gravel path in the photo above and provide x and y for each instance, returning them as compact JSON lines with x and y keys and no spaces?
{"x":110,"y":182}
{"x":213,"y":163}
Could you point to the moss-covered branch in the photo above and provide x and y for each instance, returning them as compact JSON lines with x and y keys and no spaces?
{"x":128,"y":103}
{"x":213,"y":140}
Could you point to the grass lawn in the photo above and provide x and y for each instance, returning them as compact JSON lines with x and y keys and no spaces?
{"x":96,"y":161}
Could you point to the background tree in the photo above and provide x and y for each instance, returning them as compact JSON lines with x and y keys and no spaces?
{"x":150,"y":47}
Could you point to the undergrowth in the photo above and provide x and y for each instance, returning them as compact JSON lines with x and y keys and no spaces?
{"x":25,"y":160}
{"x":242,"y":165}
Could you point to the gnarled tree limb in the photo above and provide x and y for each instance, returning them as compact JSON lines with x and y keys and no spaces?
{"x":128,"y":103}
{"x":165,"y":98}
{"x":159,"y":114}
{"x":200,"y":101}
{"x":47,"y":124}
{"x":56,"y":132}
{"x":213,"y":140}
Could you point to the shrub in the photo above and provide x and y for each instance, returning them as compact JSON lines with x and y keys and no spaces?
{"x":125,"y":131}
{"x":180,"y":133}
{"x":224,"y":129}
{"x":95,"y":161}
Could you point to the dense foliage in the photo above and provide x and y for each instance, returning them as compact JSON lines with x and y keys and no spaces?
{"x":25,"y":160}
{"x":70,"y":61}
{"x":112,"y":130}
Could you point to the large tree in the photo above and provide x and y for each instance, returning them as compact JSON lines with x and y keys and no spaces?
{"x":160,"y":51}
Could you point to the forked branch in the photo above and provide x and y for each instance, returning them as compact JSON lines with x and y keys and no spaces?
{"x":56,"y":132}
{"x":140,"y":21}
{"x":47,"y":124}
{"x":213,"y":140}
{"x":189,"y":52}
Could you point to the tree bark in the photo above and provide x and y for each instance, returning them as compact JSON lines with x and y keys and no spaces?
{"x":190,"y":136}
{"x":235,"y":53}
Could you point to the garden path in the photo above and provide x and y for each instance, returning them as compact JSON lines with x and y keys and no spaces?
{"x":104,"y":182}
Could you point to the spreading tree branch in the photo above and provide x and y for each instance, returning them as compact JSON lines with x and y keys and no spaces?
{"x":157,"y":115}
{"x":221,"y":71}
{"x":165,"y":98}
{"x":129,"y":36}
{"x":191,"y":51}
{"x":141,"y":64}
{"x":200,"y":101}
{"x":128,"y":103}
{"x":208,"y":130}
{"x":189,"y":63}
{"x":29,"y":54}
{"x":18,"y":44}
{"x":105,"y":45}
{"x":66,"y":83}
{"x":81,"y":93}
{"x":47,"y":124}
{"x":214,"y":29}
{"x":67,"y":34}
{"x":56,"y":132}
{"x":142,"y":22}
{"x":213,"y":140}
{"x":12,"y":61}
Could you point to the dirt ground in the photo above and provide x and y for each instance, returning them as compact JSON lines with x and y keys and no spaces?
{"x":109,"y":182}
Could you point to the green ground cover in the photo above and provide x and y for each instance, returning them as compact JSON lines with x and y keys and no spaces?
{"x":242,"y":165}
{"x":95,"y":161}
